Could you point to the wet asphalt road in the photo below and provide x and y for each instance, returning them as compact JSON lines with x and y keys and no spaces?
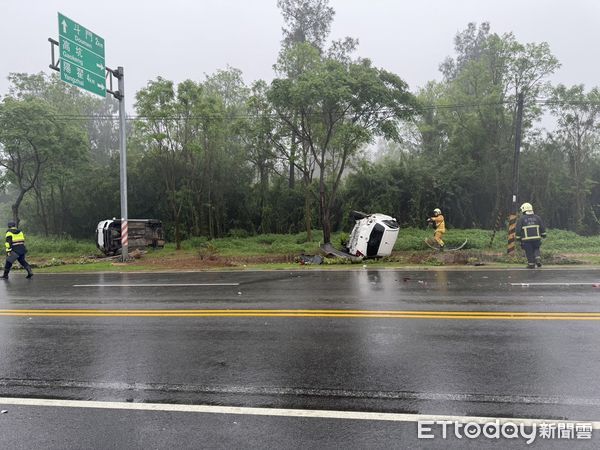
{"x":455,"y":358}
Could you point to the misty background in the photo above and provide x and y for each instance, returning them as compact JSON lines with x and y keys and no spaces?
{"x":184,"y":39}
{"x":241,"y":121}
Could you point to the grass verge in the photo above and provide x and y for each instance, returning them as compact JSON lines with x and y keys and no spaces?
{"x":281,"y":251}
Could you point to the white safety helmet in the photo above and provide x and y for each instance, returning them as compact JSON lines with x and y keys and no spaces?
{"x":437,"y":211}
{"x":526,"y":208}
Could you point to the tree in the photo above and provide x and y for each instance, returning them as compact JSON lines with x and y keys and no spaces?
{"x":225,"y":108}
{"x":472,"y":128}
{"x":29,"y":137}
{"x":257,"y":133}
{"x":544,"y":166}
{"x":186,"y":131}
{"x":578,"y":134}
{"x":340,"y":107}
{"x":164,"y":131}
{"x":306,"y":21}
{"x":66,"y":198}
{"x":288,"y":135}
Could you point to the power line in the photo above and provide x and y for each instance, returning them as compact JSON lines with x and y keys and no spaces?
{"x":235,"y":116}
{"x":567,"y":102}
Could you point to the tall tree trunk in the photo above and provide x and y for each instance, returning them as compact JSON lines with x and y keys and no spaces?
{"x":324,"y":210}
{"x":292,"y":178}
{"x":326,"y":226}
{"x":177,"y":233}
{"x":15,"y":206}
{"x":64,"y":209}
{"x":53,"y":214}
{"x":307,"y":214}
{"x":264,"y":184}
{"x":41,"y":210}
{"x":211,"y":231}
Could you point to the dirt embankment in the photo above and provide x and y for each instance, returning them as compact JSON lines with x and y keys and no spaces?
{"x":192,"y":261}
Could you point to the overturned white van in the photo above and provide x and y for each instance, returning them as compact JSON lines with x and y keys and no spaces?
{"x":142,"y":233}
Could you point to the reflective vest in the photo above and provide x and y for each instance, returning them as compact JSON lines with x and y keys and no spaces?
{"x":14,"y":237}
{"x":530,"y":227}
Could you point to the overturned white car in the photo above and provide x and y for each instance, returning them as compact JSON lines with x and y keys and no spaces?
{"x":373,"y":236}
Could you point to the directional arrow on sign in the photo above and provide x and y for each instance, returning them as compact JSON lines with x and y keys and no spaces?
{"x":64,"y":25}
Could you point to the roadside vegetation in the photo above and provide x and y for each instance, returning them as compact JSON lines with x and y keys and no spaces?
{"x":283,"y":251}
{"x":220,"y":159}
{"x":258,"y":174}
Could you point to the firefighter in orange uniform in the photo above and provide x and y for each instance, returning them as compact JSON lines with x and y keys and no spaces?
{"x":440,"y":226}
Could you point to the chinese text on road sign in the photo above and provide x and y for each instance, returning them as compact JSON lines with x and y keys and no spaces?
{"x":81,"y":56}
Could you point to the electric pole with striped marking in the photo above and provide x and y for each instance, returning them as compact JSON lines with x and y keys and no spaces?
{"x":512,"y":219}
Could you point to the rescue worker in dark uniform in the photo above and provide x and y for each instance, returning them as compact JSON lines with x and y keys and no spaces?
{"x":530,"y":231}
{"x":15,"y":250}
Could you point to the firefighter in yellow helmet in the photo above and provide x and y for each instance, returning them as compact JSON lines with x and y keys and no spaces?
{"x":530,"y":231}
{"x":440,"y":226}
{"x":15,"y":250}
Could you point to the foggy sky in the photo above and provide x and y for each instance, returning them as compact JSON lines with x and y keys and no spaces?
{"x":181,"y":39}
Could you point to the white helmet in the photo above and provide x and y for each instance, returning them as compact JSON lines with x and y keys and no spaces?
{"x":526,"y":208}
{"x":437,"y":211}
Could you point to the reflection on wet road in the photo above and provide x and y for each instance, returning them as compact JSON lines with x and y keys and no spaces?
{"x":489,"y":343}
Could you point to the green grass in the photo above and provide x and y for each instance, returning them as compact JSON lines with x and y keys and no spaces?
{"x":66,"y":255}
{"x":60,"y":247}
{"x":409,"y":239}
{"x":264,"y":244}
{"x":560,"y":241}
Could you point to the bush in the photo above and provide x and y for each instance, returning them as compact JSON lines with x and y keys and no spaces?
{"x":208,"y":251}
{"x":344,"y":237}
{"x":193,"y":243}
{"x":39,"y":245}
{"x":267,"y":239}
{"x":238,"y":233}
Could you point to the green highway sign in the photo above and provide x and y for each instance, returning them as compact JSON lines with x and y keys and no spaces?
{"x":81,"y":56}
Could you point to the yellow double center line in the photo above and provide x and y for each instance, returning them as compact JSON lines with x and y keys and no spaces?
{"x":336,"y":313}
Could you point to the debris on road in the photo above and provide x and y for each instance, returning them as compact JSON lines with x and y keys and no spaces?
{"x":309,"y":259}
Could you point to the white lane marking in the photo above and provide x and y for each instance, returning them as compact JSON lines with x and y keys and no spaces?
{"x":322,"y":414}
{"x":156,"y":285}
{"x":283,"y":391}
{"x":595,"y":284}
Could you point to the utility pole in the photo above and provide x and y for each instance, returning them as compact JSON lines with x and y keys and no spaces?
{"x":512,"y":220}
{"x":120,"y":95}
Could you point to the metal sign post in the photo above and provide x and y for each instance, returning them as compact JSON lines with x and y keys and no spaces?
{"x":123,"y":171}
{"x":120,"y":95}
{"x":82,"y":64}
